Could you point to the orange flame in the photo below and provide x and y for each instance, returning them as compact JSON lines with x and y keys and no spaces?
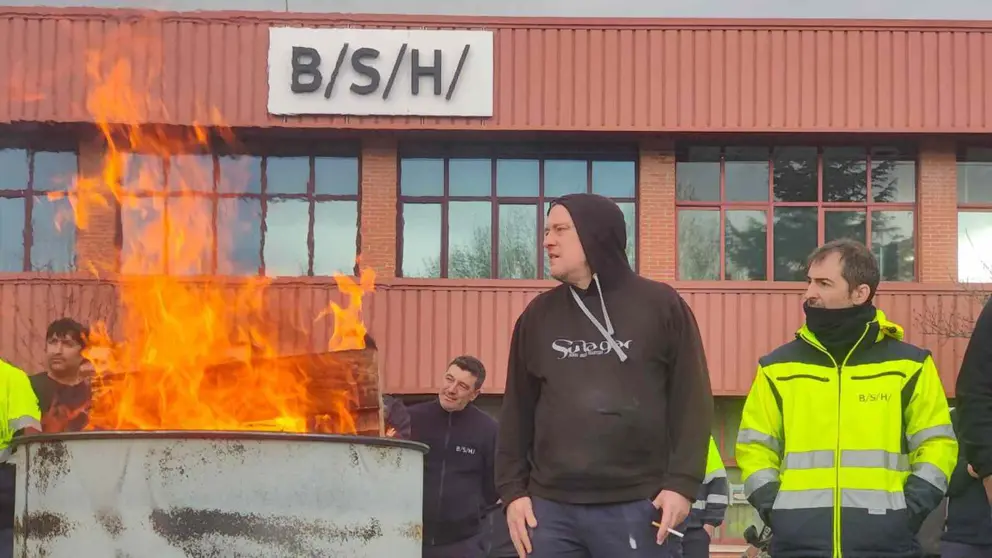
{"x":197,"y":353}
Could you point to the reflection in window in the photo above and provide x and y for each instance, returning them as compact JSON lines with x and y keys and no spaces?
{"x":861,"y":193}
{"x":480,"y":217}
{"x":271,"y":215}
{"x":974,"y":239}
{"x":38,"y":234}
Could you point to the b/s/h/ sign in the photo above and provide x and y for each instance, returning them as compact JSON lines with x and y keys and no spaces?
{"x":383,"y":72}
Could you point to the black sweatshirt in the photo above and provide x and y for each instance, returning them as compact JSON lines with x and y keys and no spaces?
{"x":458,"y":470}
{"x":969,"y":516}
{"x":974,"y":396}
{"x":593,"y":416}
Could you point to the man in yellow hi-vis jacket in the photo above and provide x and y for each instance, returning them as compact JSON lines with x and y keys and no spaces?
{"x":845,"y":444}
{"x":710,"y":508}
{"x":19,"y":413}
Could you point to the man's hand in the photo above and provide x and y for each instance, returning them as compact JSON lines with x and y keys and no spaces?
{"x":710,"y":530}
{"x":674,"y":509}
{"x":520,"y":516}
{"x":987,"y":481}
{"x":972,"y":472}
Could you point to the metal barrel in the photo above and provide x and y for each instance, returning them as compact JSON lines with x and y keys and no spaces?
{"x":217,"y":494}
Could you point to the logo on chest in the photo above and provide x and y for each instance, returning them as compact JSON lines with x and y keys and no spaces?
{"x":567,"y":348}
{"x":465,"y":449}
{"x":874,"y":397}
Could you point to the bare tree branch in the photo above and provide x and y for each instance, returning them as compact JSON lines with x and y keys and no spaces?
{"x":947,"y":325}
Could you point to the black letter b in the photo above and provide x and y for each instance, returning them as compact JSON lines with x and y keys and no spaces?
{"x":301,"y":68}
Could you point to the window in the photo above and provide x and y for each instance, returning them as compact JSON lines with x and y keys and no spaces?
{"x":755,"y":213}
{"x":268,"y":215}
{"x":481,"y":215}
{"x":37,"y":234}
{"x":974,"y":215}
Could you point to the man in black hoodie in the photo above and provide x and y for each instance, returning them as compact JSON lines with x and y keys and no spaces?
{"x":974,"y":394}
{"x":607,"y":409}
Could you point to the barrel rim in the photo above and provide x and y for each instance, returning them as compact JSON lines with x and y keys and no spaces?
{"x":217,"y":435}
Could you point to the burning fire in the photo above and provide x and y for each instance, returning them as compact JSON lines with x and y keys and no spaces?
{"x":194,"y":353}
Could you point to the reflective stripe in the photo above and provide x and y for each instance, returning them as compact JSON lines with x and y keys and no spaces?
{"x":699,"y":505}
{"x":930,"y":473}
{"x":870,"y":500}
{"x":939,"y":431}
{"x":717,"y":499}
{"x":758,"y":479}
{"x":26,"y":421}
{"x":750,"y":436}
{"x":874,"y":458}
{"x":818,"y":459}
{"x":718,"y":474}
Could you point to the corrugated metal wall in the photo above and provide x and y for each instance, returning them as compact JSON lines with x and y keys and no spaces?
{"x":420,"y":324}
{"x":550,"y":74}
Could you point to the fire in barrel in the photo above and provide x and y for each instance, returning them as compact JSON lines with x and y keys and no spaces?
{"x":207,"y":436}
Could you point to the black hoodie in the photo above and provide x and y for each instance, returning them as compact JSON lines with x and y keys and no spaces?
{"x":611,"y":411}
{"x":974,"y":395}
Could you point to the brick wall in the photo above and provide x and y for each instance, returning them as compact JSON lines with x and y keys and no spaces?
{"x":937,"y":240}
{"x":656,"y":211}
{"x":378,"y":206}
{"x":96,"y":244}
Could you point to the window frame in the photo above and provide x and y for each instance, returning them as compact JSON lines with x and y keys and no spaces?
{"x":262,"y":151}
{"x":446,"y":151}
{"x":869,"y":205}
{"x":28,"y":194}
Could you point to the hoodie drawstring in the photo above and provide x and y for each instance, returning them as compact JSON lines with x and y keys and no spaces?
{"x":606,"y":332}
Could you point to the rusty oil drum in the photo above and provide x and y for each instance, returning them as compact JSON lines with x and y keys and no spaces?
{"x":217,"y":494}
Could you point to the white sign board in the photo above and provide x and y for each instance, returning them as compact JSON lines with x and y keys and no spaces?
{"x":383,"y":72}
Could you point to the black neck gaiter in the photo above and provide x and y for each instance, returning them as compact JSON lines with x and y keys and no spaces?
{"x":839,"y":329}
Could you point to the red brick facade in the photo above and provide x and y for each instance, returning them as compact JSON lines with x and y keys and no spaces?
{"x":656,"y":226}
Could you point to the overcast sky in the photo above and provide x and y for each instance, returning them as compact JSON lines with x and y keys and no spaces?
{"x":882,"y":9}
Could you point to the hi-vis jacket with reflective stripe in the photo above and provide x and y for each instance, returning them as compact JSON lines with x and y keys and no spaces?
{"x":18,"y":406}
{"x":710,"y":507}
{"x":846,"y":459}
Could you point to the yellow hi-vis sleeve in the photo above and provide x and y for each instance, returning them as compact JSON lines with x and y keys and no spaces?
{"x":933,"y":447}
{"x":760,"y":443}
{"x":21,"y":409}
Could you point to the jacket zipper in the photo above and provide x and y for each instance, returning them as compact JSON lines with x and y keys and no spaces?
{"x":837,"y":449}
{"x":444,"y":462}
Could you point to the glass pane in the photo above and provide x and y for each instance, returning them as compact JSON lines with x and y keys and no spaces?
{"x":974,"y":238}
{"x":544,"y":253}
{"x":615,"y":179}
{"x":746,"y":238}
{"x":190,"y":236}
{"x":287,"y":224}
{"x":699,"y":245}
{"x":14,"y":172}
{"x":240,"y":174}
{"x":845,"y":174}
{"x":191,"y":173}
{"x":142,"y":235}
{"x":794,"y":174}
{"x":239,"y":236}
{"x":336,"y":176}
{"x":421,"y":240}
{"x":517,"y":177}
{"x":794,"y":238}
{"x":697,"y":174}
{"x":470,"y":177}
{"x":422,"y":177}
{"x":12,"y":234}
{"x":565,"y":177}
{"x":335,"y":237}
{"x":142,"y":173}
{"x":893,"y":176}
{"x":746,"y":174}
{"x":470,"y":235}
{"x":844,"y":224}
{"x":517,"y":251}
{"x":53,"y":235}
{"x":287,"y":175}
{"x":974,"y":177}
{"x":54,"y":170}
{"x":892,"y":243}
{"x":630,"y":218}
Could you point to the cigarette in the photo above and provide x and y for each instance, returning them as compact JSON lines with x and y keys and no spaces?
{"x":672,"y":531}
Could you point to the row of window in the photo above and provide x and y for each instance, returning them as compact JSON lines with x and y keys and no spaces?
{"x":743,"y":213}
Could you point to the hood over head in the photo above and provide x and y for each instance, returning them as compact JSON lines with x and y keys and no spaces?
{"x":602,"y":230}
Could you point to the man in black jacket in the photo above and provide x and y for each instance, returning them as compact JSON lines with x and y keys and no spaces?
{"x":458,"y":470}
{"x":968,"y":528}
{"x":974,"y":398}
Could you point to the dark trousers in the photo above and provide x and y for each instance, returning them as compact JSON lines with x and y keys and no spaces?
{"x":950,"y":549}
{"x":696,"y":543}
{"x":599,"y":531}
{"x":6,"y":543}
{"x":468,"y":548}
